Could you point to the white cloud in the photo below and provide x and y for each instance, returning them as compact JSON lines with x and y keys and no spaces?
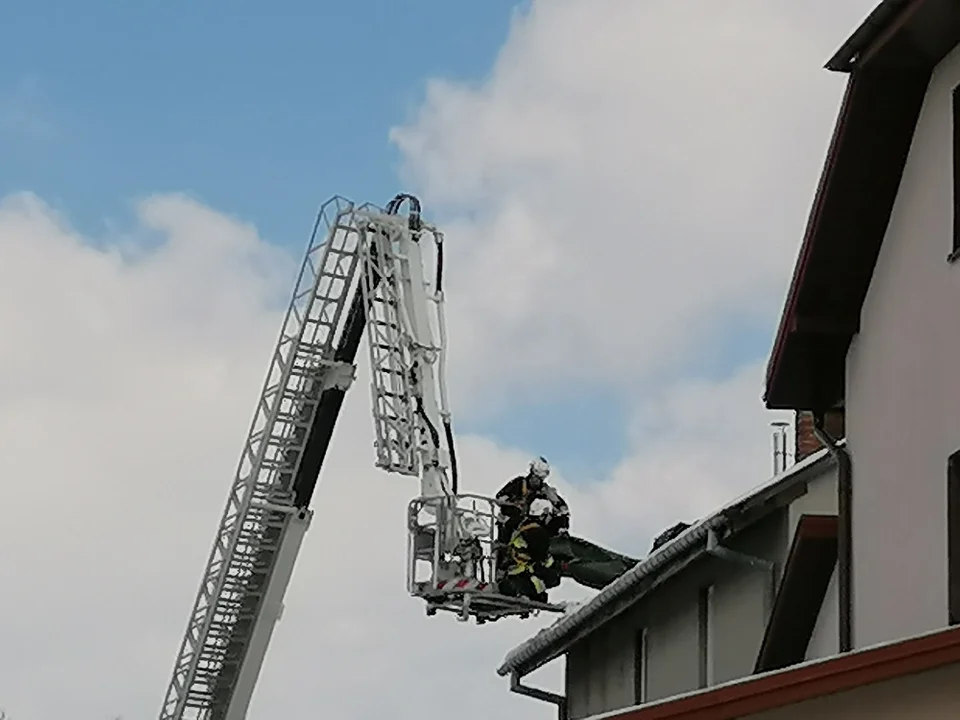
{"x":633,"y":173}
{"x":615,"y":157}
{"x":125,"y":411}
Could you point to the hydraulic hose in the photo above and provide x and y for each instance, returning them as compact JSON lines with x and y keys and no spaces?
{"x":393,"y":208}
{"x":447,"y":428}
{"x":415,"y":223}
{"x":454,"y":475}
{"x":439,"y":243}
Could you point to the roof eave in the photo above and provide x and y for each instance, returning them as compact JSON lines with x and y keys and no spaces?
{"x":788,"y":317}
{"x":874,"y":25}
{"x":844,"y":60}
{"x":553,"y":641}
{"x":889,"y":59}
{"x":556,"y":639}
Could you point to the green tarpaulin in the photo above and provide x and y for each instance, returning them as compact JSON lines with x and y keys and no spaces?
{"x":588,"y":564}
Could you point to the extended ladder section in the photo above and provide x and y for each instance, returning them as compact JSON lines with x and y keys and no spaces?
{"x":240,"y":596}
{"x":363,"y":269}
{"x":406,"y":338}
{"x":389,"y":345}
{"x":451,"y":545}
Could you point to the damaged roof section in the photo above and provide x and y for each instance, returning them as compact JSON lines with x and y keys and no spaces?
{"x":663,"y":562}
{"x":889,"y":59}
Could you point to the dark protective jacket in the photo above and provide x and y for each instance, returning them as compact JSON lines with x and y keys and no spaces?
{"x":529,"y":552}
{"x":517,"y":495}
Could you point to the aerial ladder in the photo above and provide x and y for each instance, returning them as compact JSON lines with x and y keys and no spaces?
{"x":364,"y":270}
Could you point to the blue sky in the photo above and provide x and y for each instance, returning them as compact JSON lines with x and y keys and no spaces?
{"x":262,"y":110}
{"x":259,"y":109}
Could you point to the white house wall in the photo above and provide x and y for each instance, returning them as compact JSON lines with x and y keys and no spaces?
{"x":820,"y":499}
{"x":673,"y":649}
{"x":743,"y":597}
{"x":927,"y":695}
{"x":577,"y":681}
{"x":738,"y":618}
{"x":903,"y":393}
{"x":600,"y":672}
{"x":825,"y":640}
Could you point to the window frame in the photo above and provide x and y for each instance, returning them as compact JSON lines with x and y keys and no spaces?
{"x":640,"y":656}
{"x":955,"y":155}
{"x":953,"y":539}
{"x":705,"y":636}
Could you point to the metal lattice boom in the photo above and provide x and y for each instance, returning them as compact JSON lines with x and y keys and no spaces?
{"x":260,"y":508}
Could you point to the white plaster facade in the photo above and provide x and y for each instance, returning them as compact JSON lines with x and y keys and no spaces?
{"x":930,"y":695}
{"x":903,"y":394}
{"x":825,"y":640}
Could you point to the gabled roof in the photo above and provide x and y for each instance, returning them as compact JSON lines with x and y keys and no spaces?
{"x":667,"y":560}
{"x":889,"y":60}
{"x":759,"y":693}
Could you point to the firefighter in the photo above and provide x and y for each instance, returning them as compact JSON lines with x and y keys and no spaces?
{"x":515,"y":497}
{"x":530,"y":569}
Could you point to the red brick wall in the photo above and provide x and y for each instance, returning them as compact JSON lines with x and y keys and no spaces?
{"x":806,"y":441}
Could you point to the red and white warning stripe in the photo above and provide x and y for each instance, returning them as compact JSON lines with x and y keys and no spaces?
{"x":464,"y":585}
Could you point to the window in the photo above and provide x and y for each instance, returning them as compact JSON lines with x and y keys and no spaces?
{"x":704,"y":630}
{"x":953,"y":538}
{"x":955,"y":252}
{"x":640,"y":667}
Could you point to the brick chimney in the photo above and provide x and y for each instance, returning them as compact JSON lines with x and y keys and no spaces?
{"x":806,"y":440}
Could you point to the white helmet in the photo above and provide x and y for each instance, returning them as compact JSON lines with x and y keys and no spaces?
{"x":540,"y":468}
{"x":541,"y":508}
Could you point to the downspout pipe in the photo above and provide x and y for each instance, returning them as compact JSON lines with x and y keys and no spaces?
{"x":844,"y":530}
{"x":537,"y":694}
